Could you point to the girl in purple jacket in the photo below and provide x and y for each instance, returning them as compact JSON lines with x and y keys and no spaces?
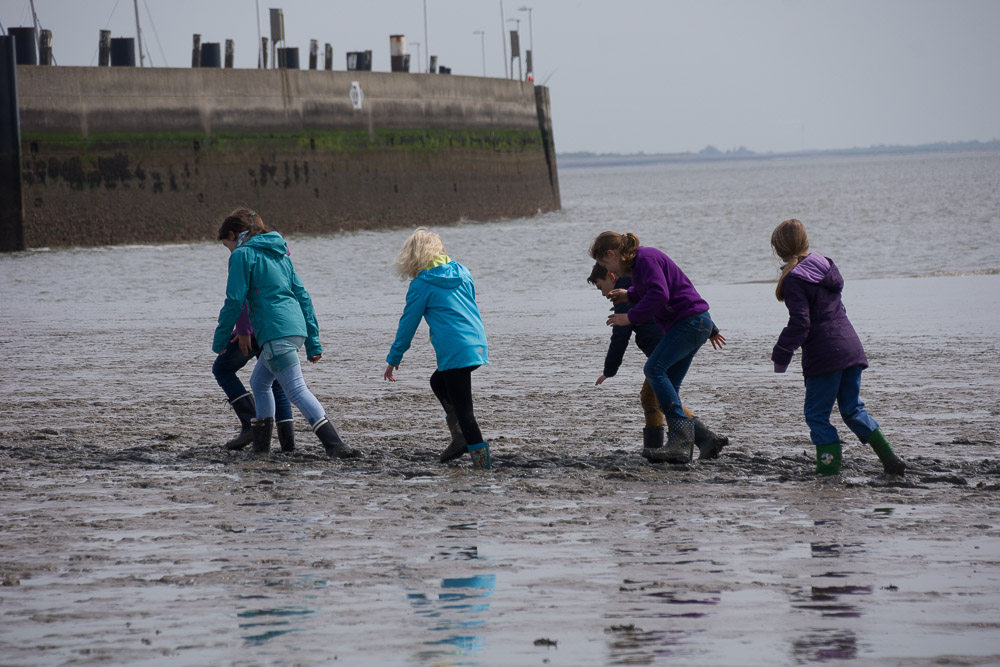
{"x":660,"y":291}
{"x":832,"y":355}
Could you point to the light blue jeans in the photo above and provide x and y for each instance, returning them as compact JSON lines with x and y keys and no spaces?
{"x":279,"y":360}
{"x":844,"y":387}
{"x":668,"y":364}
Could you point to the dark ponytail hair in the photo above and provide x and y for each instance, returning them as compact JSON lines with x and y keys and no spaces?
{"x":242,"y":220}
{"x":624,"y":245}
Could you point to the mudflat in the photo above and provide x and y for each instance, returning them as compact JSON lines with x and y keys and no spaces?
{"x":130,"y":536}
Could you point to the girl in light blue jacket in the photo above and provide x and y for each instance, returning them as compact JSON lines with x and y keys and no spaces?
{"x":443,"y":293}
{"x":281,"y":313}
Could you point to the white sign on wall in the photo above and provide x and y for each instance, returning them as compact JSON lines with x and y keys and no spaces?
{"x":357,"y":95}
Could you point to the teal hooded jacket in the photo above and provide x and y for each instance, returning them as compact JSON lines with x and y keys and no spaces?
{"x":444,"y":295}
{"x":261,"y":275}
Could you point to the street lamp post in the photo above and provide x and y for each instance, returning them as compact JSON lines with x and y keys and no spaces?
{"x":531,"y":39}
{"x":482,"y":38}
{"x":427,"y":42}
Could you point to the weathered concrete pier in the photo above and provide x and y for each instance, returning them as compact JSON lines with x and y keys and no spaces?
{"x":126,"y":155}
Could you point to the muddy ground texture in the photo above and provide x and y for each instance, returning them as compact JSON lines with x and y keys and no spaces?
{"x":129,"y":535}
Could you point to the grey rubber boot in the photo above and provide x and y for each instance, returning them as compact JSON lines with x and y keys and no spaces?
{"x":262,"y":429}
{"x":457,"y":446}
{"x":245,"y":411}
{"x":652,"y":439}
{"x":286,"y":434}
{"x":709,"y":443}
{"x":680,"y":442}
{"x":334,"y":446}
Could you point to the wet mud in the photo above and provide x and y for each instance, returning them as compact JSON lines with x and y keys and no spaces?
{"x":130,"y":536}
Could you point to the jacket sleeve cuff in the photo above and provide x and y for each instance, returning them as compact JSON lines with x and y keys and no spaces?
{"x":780,"y":368}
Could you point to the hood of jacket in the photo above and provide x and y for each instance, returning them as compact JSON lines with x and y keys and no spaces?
{"x":819,"y":270}
{"x":447,"y":275}
{"x":270,"y":243}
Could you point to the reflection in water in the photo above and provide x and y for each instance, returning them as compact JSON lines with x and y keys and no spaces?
{"x":458,"y":611}
{"x":822,"y":646}
{"x":821,"y":550}
{"x":828,"y":602}
{"x":632,"y":645}
{"x":279,"y":621}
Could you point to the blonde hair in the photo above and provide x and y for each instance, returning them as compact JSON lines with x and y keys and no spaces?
{"x":417,"y":252}
{"x":624,"y":245}
{"x":791,"y":243}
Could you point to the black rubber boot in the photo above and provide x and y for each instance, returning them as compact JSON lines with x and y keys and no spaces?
{"x":245,"y":411}
{"x":652,"y":439}
{"x":709,"y":443}
{"x":262,"y":429}
{"x":457,"y":447}
{"x":286,"y":434}
{"x":680,"y":442}
{"x":334,"y":446}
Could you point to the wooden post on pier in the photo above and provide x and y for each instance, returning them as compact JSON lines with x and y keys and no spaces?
{"x":11,"y":205}
{"x":196,"y":52}
{"x":45,"y":48}
{"x":104,"y":49}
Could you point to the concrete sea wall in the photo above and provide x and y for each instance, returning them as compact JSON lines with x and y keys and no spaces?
{"x":126,"y":155}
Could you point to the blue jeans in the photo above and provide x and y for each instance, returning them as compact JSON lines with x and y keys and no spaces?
{"x":668,"y":364}
{"x":279,"y":361}
{"x":231,"y":360}
{"x":844,"y":387}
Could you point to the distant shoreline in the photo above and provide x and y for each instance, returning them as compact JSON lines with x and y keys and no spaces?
{"x":711,"y":154}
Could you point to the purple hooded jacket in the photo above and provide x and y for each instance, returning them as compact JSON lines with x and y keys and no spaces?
{"x":817,"y":321}
{"x":661,"y":291}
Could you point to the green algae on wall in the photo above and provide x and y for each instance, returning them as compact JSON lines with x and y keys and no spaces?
{"x":342,"y":141}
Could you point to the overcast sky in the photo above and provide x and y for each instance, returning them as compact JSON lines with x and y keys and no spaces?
{"x":636,"y":75}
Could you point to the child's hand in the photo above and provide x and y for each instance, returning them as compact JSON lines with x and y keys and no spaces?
{"x":780,"y":368}
{"x":244,"y":343}
{"x":387,"y":375}
{"x":316,"y":357}
{"x":619,"y":320}
{"x":618,"y":295}
{"x":718,"y":340}
{"x":600,"y":380}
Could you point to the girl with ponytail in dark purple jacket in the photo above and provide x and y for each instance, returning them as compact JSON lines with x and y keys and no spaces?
{"x":662,"y":292}
{"x":832,"y":355}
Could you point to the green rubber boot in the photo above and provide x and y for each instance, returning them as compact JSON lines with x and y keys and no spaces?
{"x":828,"y":460}
{"x":890,"y":462}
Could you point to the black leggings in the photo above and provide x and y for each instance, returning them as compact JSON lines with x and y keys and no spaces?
{"x":453,"y":388}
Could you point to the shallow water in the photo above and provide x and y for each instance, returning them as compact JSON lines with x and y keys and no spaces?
{"x":129,"y":535}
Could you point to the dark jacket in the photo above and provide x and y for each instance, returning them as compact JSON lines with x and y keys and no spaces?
{"x":817,"y":321}
{"x":647,"y":334}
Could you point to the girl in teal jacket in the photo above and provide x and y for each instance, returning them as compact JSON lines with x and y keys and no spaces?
{"x":281,"y":313}
{"x":443,"y":293}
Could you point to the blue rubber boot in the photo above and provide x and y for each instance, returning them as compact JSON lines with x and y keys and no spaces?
{"x":480,"y":454}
